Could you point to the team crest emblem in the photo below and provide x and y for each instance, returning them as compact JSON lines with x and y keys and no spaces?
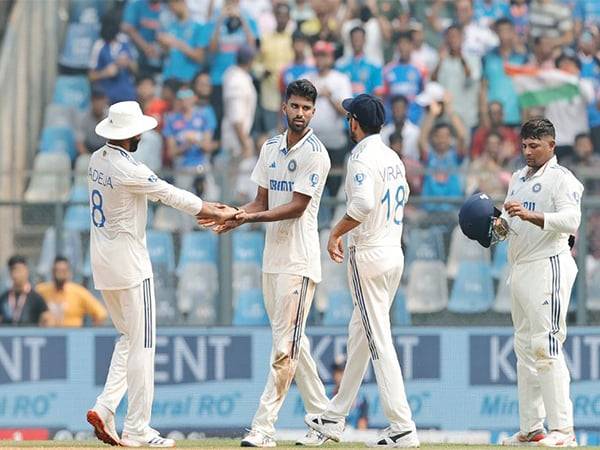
{"x":359,"y":178}
{"x":292,"y":165}
{"x":537,"y":187}
{"x":314,"y":179}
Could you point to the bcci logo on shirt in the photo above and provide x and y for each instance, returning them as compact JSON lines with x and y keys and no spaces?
{"x":314,"y":179}
{"x":537,"y":187}
{"x":359,"y":178}
{"x":292,"y":165}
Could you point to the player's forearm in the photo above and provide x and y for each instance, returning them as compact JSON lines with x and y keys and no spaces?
{"x":566,"y":221}
{"x":536,"y":219}
{"x":254,"y":206}
{"x":345,"y":225}
{"x":283,"y":212}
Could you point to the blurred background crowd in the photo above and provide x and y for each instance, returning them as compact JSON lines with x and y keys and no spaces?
{"x":457,"y":78}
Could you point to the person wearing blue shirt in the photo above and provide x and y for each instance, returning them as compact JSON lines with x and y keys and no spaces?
{"x":189,"y":135}
{"x":366,"y":77}
{"x":497,"y":85}
{"x":586,"y":13}
{"x":113,"y":63}
{"x":403,"y":78}
{"x":141,"y":22}
{"x":185,"y":42}
{"x":300,"y":65}
{"x":590,"y":69}
{"x":488,"y":11}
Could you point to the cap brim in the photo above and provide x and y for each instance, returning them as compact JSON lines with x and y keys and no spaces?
{"x":347,"y":104}
{"x":423,"y":100}
{"x":107,"y":130}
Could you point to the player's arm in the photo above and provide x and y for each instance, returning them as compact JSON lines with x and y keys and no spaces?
{"x":291,"y":210}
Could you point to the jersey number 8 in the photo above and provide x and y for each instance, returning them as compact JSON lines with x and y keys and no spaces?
{"x":97,"y":209}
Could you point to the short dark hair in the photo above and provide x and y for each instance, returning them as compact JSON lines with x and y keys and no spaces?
{"x":399,"y":98}
{"x":440,"y":125}
{"x":404,"y":35}
{"x":301,"y":88}
{"x":203,"y":72}
{"x":16,"y":259}
{"x":503,"y":21}
{"x":537,"y":128}
{"x":172,"y":83}
{"x":357,"y":29}
{"x":582,"y":136}
{"x":144,"y":77}
{"x":110,"y":27}
{"x":369,"y":130}
{"x":299,"y":36}
{"x":567,"y":56}
{"x":453,"y":26}
{"x":61,"y":258}
{"x":494,"y":133}
{"x":396,"y":136}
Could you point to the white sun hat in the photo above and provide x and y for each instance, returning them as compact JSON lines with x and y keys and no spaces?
{"x":125,"y":120}
{"x":433,"y":92}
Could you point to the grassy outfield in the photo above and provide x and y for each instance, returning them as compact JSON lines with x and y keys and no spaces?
{"x":223,"y":444}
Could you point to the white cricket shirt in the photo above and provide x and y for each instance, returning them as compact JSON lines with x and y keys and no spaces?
{"x":554,"y":191}
{"x":119,"y":188}
{"x":292,"y":246}
{"x":376,"y":192}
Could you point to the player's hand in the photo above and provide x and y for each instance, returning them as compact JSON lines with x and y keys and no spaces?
{"x":217,"y":214}
{"x":335,"y":249}
{"x":516,"y":209}
{"x":240,"y":218}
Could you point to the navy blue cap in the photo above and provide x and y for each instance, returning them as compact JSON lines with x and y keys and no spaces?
{"x":367,"y":109}
{"x":475,"y":218}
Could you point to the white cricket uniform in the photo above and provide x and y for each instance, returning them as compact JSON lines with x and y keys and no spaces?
{"x":376,"y":191}
{"x":119,"y":188}
{"x":542,"y":273}
{"x":291,"y":269}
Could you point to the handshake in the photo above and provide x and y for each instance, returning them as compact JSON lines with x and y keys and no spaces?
{"x":221,"y":218}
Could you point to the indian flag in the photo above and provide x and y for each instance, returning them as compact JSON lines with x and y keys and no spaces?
{"x":539,"y":87}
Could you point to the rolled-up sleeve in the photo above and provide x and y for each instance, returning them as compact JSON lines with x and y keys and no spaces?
{"x":361,"y":191}
{"x":567,"y":201}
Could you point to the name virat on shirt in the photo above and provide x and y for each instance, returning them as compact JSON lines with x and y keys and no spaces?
{"x":391,"y":173}
{"x":99,"y":177}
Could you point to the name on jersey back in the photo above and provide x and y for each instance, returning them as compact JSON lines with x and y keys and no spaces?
{"x":99,"y":177}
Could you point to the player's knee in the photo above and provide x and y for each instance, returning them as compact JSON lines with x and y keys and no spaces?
{"x":545,"y":351}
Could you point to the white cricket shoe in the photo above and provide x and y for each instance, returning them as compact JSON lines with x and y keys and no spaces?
{"x":558,"y":439}
{"x":524,"y":440}
{"x":396,"y":439}
{"x":151,"y":439}
{"x":103,"y":421}
{"x":331,"y":429}
{"x":312,"y":439}
{"x":255,"y":438}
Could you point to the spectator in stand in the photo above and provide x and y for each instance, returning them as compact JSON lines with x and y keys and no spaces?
{"x":301,"y":12}
{"x":401,"y":125}
{"x":493,"y":122}
{"x":365,"y":75}
{"x":569,"y":115}
{"x":160,"y":106}
{"x":488,"y":11}
{"x":459,"y":73}
{"x":487,"y":174}
{"x":324,"y":26}
{"x":584,"y":159}
{"x":402,"y":78}
{"x":590,"y":70}
{"x":275,"y":54}
{"x":228,"y":32}
{"x":423,"y":56}
{"x":328,"y":121}
{"x":440,"y":156}
{"x":551,"y":19}
{"x":300,"y":65}
{"x":202,"y":87}
{"x":184,"y":42}
{"x":414,"y":169}
{"x":496,"y":85}
{"x":21,"y":305}
{"x":189,"y":135}
{"x":112,"y":63}
{"x":478,"y":38}
{"x":543,"y":53}
{"x":586,"y":14}
{"x":146,"y":91}
{"x":69,"y":303}
{"x":141,"y":22}
{"x":86,"y":139}
{"x":519,"y":16}
{"x":239,"y":108}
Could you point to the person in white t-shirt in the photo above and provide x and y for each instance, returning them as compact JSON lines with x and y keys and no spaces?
{"x":119,"y":188}
{"x":542,"y":209}
{"x":290,"y":173}
{"x":376,"y":192}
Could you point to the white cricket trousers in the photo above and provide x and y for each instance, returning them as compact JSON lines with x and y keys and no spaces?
{"x":370,"y":336}
{"x":540,"y":293}
{"x":287,"y":300}
{"x":132,"y":364}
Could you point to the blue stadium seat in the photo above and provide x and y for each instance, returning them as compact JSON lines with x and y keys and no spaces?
{"x":339,"y":309}
{"x":72,"y":90}
{"x":247,"y":249}
{"x":473,"y":289}
{"x":88,"y":11}
{"x":58,"y":139}
{"x":161,"y":250}
{"x":77,"y":218}
{"x":197,"y":292}
{"x":503,"y":300}
{"x":59,"y":115}
{"x":425,"y":244}
{"x":79,"y":194}
{"x":427,"y":289}
{"x":249,"y":309}
{"x":198,"y":247}
{"x":78,"y":45}
{"x":71,"y":249}
{"x":593,"y":286}
{"x":463,"y":249}
{"x":400,"y":313}
{"x":500,"y":259}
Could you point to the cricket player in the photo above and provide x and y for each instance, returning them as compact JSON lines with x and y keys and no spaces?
{"x":290,"y":174}
{"x":119,"y":188}
{"x":376,"y":191}
{"x":543,"y":208}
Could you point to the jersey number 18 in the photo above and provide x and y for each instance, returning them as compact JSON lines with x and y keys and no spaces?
{"x":398,"y":201}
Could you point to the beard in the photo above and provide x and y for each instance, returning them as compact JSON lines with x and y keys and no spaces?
{"x":353,"y":137}
{"x":133,"y":144}
{"x":60,"y":284}
{"x":296,"y":127}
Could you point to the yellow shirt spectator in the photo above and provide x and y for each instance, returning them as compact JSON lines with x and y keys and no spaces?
{"x":71,"y":304}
